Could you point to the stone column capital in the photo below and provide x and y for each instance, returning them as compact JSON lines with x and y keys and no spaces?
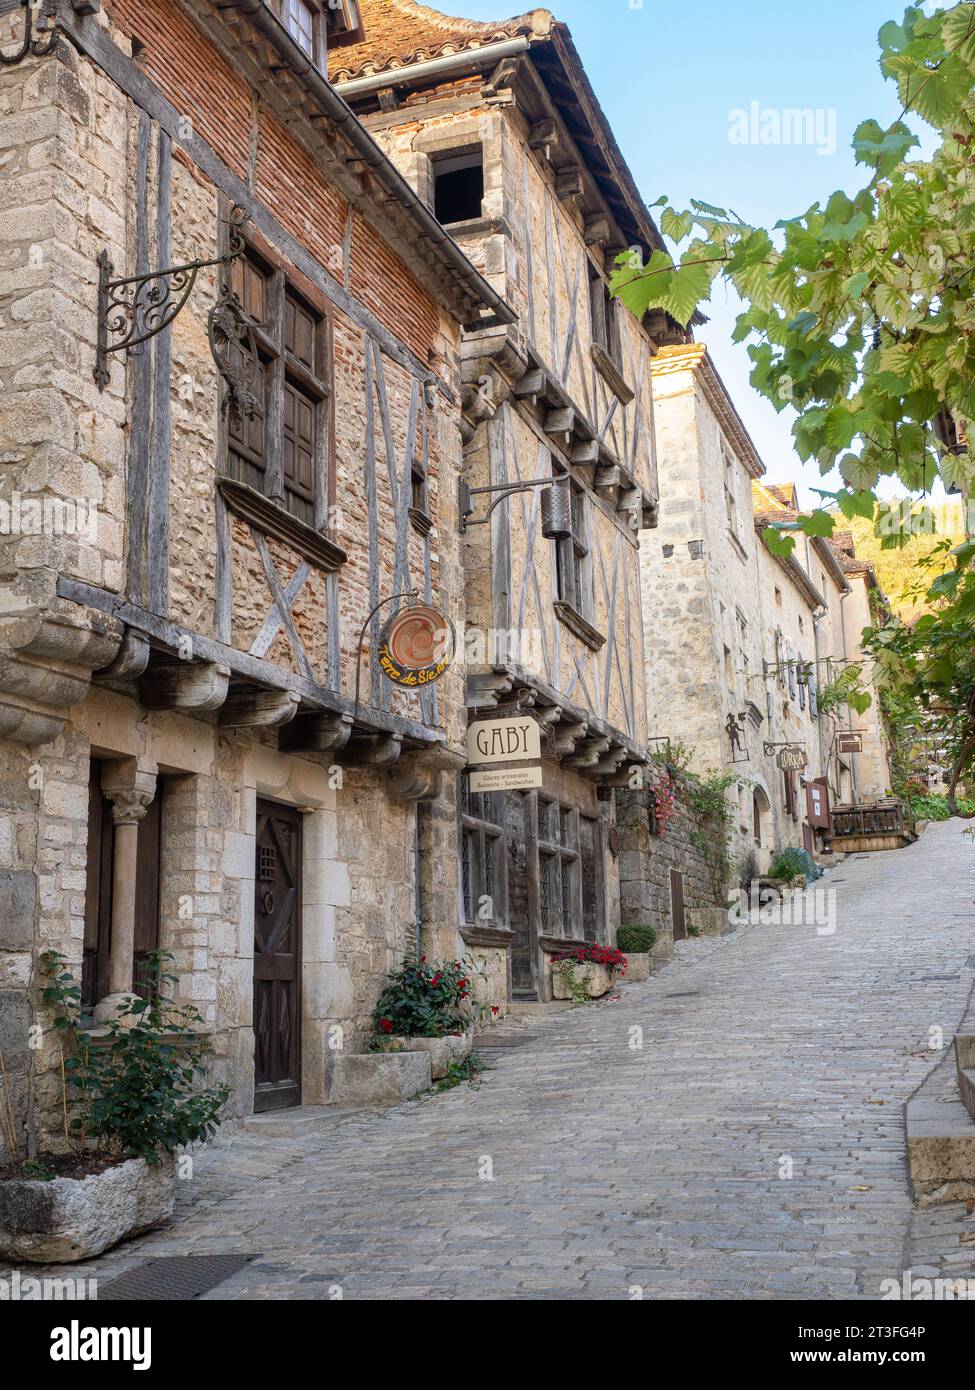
{"x":130,"y":788}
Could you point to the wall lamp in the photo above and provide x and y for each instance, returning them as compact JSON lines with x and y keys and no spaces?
{"x":556,"y":504}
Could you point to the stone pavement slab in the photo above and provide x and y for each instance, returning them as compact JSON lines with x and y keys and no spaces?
{"x":731,"y":1128}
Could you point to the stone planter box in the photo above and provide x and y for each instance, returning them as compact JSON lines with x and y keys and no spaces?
{"x":380,"y":1078}
{"x":638,"y":966}
{"x":596,"y":979}
{"x":444,"y":1052}
{"x":70,"y":1219}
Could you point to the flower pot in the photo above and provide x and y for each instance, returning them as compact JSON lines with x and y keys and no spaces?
{"x":596,"y":980}
{"x":69,"y":1219}
{"x":443,"y":1052}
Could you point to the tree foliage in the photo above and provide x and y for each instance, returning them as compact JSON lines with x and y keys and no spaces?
{"x":860,"y":314}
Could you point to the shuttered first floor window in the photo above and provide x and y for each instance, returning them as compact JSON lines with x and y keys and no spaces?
{"x":282,"y":451}
{"x":482,"y":848}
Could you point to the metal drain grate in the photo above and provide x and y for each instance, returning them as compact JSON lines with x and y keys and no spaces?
{"x":174,"y":1277}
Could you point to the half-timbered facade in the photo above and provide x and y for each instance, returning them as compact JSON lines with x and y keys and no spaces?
{"x":500,"y":134}
{"x":230,"y":383}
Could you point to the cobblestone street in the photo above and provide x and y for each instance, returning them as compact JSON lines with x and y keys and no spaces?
{"x":662,"y":1167}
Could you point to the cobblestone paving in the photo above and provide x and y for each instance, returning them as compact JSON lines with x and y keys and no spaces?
{"x":585,"y":1167}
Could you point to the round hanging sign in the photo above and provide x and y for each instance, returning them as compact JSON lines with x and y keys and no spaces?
{"x":416,"y":646}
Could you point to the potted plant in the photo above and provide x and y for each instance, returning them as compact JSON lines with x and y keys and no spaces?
{"x":130,"y":1097}
{"x":586,"y":972}
{"x":637,"y":941}
{"x":427,"y":1008}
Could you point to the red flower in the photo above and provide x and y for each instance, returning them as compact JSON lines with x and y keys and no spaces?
{"x":436,"y":979}
{"x":495,"y":1010}
{"x":386,"y":1024}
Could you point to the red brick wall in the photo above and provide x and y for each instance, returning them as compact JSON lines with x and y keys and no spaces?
{"x":187,"y":69}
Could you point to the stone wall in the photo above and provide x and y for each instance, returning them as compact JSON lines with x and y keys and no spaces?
{"x":71,"y":142}
{"x":645,"y":863}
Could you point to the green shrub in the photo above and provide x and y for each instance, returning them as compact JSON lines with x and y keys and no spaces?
{"x":931,"y":806}
{"x":788,"y":863}
{"x":135,"y":1085}
{"x":636,"y":939}
{"x":425,"y":1001}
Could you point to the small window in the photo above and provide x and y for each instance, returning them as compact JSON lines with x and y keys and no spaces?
{"x":778,"y":597}
{"x":301,"y":20}
{"x":342,"y":22}
{"x":602,"y":308}
{"x":482,"y":850}
{"x":458,"y":188}
{"x":573,"y":567}
{"x":558,"y":868}
{"x":291,"y":374}
{"x":730,"y":497}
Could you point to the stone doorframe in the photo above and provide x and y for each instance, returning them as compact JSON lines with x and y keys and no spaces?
{"x":327,"y":995}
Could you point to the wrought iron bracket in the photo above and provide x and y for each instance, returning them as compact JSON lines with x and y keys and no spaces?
{"x":135,"y":308}
{"x":47,"y":24}
{"x":466,"y":495}
{"x":772,"y":748}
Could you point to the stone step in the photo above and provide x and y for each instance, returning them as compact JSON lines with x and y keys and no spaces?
{"x":297,"y":1121}
{"x":940,"y":1139}
{"x":531,"y":1008}
{"x":965,"y":1059}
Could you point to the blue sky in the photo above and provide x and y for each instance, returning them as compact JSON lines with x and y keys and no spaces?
{"x":669,"y":75}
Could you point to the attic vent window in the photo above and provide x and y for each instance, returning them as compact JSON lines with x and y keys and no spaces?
{"x":342,"y":22}
{"x":458,"y":187}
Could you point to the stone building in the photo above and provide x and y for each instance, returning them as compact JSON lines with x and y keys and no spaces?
{"x":501,"y":135}
{"x":741,"y":638}
{"x":192,"y":754}
{"x":848,"y":600}
{"x":866,"y":607}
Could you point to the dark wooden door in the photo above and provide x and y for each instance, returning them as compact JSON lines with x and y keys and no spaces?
{"x":677,"y":914}
{"x":277,"y":958}
{"x":524,"y":943}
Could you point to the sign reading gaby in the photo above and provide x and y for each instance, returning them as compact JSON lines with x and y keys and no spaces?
{"x":503,"y":741}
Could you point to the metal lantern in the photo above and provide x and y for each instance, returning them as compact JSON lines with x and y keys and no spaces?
{"x":557,"y":512}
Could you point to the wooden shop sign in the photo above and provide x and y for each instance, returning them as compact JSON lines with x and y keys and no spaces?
{"x":416,"y":646}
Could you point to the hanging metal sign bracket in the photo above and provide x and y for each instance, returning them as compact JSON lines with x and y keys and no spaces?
{"x":47,"y":25}
{"x":134,"y":309}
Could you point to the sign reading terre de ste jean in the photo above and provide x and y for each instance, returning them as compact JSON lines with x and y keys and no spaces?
{"x":416,"y":646}
{"x":504,"y":741}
